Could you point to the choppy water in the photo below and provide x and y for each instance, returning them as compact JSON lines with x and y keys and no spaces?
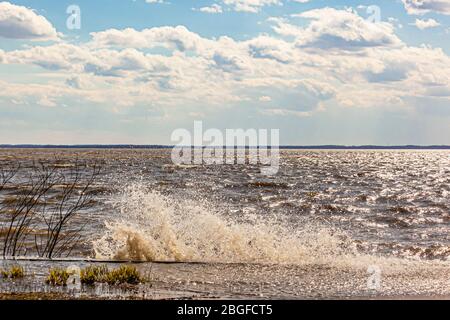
{"x":340,"y":210}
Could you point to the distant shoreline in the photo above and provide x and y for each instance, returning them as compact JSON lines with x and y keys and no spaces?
{"x":318,"y":147}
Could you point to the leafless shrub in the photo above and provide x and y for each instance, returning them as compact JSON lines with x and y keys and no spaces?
{"x":7,"y":174}
{"x":51,"y":197}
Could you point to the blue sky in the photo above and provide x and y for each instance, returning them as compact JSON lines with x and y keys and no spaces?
{"x":323,"y":72}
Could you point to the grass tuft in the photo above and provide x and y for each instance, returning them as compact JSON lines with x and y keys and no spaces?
{"x":15,"y":272}
{"x":93,"y":274}
{"x":57,"y":277}
{"x":98,"y":274}
{"x":4,"y":273}
{"x":124,"y":275}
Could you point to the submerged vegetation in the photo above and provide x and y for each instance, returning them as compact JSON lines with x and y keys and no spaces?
{"x":124,"y":275}
{"x":36,"y":216}
{"x":101,"y":274}
{"x":57,"y":277}
{"x":93,"y":274}
{"x":15,"y":272}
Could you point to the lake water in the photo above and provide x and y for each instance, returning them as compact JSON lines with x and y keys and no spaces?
{"x":324,"y":226}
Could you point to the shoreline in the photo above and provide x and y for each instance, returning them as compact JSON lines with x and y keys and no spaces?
{"x":40,"y":296}
{"x":185,"y":281}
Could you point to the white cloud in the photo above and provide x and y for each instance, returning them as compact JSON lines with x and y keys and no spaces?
{"x":425,"y":24}
{"x":420,"y":7}
{"x":265,"y":47}
{"x":286,"y":112}
{"x":18,"y":22}
{"x":155,"y":1}
{"x":344,"y":29}
{"x":368,"y":66}
{"x":214,"y":8}
{"x":252,"y":6}
{"x":179,"y":38}
{"x":46,"y":102}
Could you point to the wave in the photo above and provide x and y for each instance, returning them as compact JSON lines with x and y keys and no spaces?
{"x":150,"y":227}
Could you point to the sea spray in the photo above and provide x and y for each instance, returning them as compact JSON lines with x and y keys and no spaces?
{"x":155,"y":227}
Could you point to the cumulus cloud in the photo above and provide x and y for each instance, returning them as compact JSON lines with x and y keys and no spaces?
{"x":179,"y":38}
{"x":18,"y":22}
{"x":265,"y":47}
{"x":55,"y":57}
{"x":420,"y":7}
{"x":426,"y":24}
{"x":214,"y":8}
{"x":289,"y":69}
{"x":252,"y":6}
{"x":344,"y":29}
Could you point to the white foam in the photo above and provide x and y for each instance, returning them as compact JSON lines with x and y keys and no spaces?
{"x":155,"y":227}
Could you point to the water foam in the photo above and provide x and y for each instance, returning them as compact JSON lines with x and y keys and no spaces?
{"x":155,"y":227}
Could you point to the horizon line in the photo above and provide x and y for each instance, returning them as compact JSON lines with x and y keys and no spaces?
{"x":163,"y":146}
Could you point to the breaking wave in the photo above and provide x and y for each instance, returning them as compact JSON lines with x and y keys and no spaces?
{"x":151,"y":227}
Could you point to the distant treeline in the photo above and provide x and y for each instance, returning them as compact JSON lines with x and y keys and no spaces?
{"x":321,"y":147}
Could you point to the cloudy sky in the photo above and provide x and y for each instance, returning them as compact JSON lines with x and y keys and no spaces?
{"x":323,"y":72}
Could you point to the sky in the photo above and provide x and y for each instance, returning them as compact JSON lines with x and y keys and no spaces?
{"x":133,"y":71}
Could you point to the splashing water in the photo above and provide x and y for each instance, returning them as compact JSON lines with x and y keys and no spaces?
{"x":315,"y":230}
{"x":154,"y":227}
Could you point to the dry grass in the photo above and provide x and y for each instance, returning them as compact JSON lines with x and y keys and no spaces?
{"x":101,"y":274}
{"x":93,"y":274}
{"x":124,"y":275}
{"x":15,"y":272}
{"x":57,"y":277}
